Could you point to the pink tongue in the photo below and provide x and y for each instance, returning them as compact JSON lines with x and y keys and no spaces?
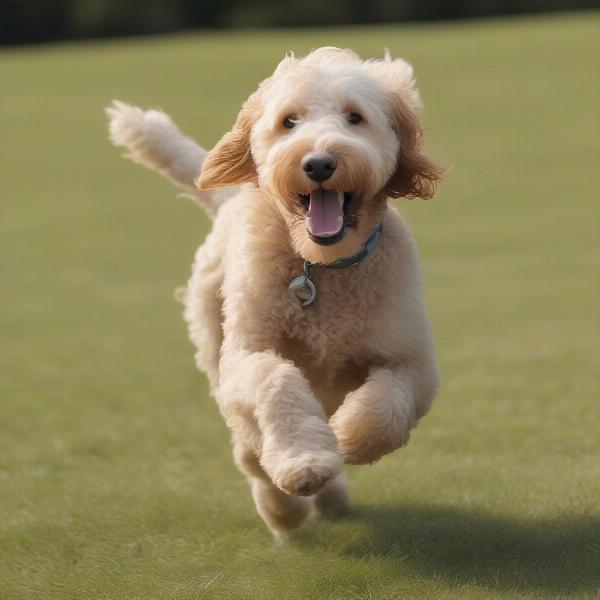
{"x":325,"y":216}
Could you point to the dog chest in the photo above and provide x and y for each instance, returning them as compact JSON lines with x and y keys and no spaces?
{"x":335,"y":328}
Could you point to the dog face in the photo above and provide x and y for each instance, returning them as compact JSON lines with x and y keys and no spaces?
{"x":328,"y":138}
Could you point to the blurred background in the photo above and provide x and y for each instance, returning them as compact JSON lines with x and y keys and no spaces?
{"x":116,"y":475}
{"x":26,"y":21}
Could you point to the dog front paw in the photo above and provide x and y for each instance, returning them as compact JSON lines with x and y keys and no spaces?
{"x":359,"y":451}
{"x":305,"y":474}
{"x":364,"y":435}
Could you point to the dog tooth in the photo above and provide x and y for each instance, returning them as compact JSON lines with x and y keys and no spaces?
{"x":341,"y":199}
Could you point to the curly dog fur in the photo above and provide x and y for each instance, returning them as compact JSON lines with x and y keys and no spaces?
{"x":304,"y":390}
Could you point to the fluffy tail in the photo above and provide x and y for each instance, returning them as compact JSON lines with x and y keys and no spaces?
{"x":153,"y":140}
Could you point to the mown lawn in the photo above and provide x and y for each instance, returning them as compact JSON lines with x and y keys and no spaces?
{"x":115,"y":474}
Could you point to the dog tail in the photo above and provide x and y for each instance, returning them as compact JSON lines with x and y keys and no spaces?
{"x":153,"y":140}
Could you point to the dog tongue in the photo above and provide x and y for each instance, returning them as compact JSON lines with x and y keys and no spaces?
{"x":325,"y":215}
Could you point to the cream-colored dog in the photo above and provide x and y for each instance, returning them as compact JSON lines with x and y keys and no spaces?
{"x":305,"y":300}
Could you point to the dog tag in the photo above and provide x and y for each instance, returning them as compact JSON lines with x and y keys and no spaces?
{"x":303,"y":289}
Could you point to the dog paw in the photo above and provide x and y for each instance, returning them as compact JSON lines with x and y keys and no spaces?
{"x":307,"y":473}
{"x":364,"y":439}
{"x":365,"y":453}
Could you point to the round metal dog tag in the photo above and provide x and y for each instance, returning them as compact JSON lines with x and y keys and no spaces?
{"x":303,"y":288}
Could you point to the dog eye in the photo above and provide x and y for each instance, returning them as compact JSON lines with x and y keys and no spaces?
{"x":290,"y":121}
{"x":353,"y":118}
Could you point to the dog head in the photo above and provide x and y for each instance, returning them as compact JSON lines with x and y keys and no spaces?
{"x":328,"y":138}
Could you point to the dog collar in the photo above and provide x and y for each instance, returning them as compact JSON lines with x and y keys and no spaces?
{"x":304,"y":288}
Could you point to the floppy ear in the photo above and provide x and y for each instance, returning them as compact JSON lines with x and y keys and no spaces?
{"x":230,"y":162}
{"x":416,"y":175}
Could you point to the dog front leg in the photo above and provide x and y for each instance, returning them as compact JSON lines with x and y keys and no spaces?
{"x":376,"y":418}
{"x":295,"y":444}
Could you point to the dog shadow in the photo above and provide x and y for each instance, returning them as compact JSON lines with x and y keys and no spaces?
{"x":555,"y":556}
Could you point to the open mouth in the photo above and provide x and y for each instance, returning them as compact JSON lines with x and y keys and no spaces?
{"x":325,"y":214}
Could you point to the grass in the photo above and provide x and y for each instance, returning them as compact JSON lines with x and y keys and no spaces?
{"x":115,"y":474}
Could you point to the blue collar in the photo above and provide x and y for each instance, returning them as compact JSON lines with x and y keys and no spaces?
{"x":351,"y":261}
{"x":303,"y":289}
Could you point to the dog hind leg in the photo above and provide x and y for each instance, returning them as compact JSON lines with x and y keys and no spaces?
{"x":332,"y":500}
{"x":280,"y":511}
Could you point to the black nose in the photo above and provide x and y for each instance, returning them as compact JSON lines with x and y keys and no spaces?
{"x":320,"y":167}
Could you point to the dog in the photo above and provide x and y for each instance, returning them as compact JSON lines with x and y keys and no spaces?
{"x":305,"y":302}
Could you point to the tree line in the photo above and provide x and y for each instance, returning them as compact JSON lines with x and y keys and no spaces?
{"x":31,"y":21}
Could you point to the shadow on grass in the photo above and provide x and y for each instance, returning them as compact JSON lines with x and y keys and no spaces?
{"x":553,"y":556}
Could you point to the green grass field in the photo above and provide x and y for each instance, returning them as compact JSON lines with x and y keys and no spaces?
{"x":116,"y":480}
